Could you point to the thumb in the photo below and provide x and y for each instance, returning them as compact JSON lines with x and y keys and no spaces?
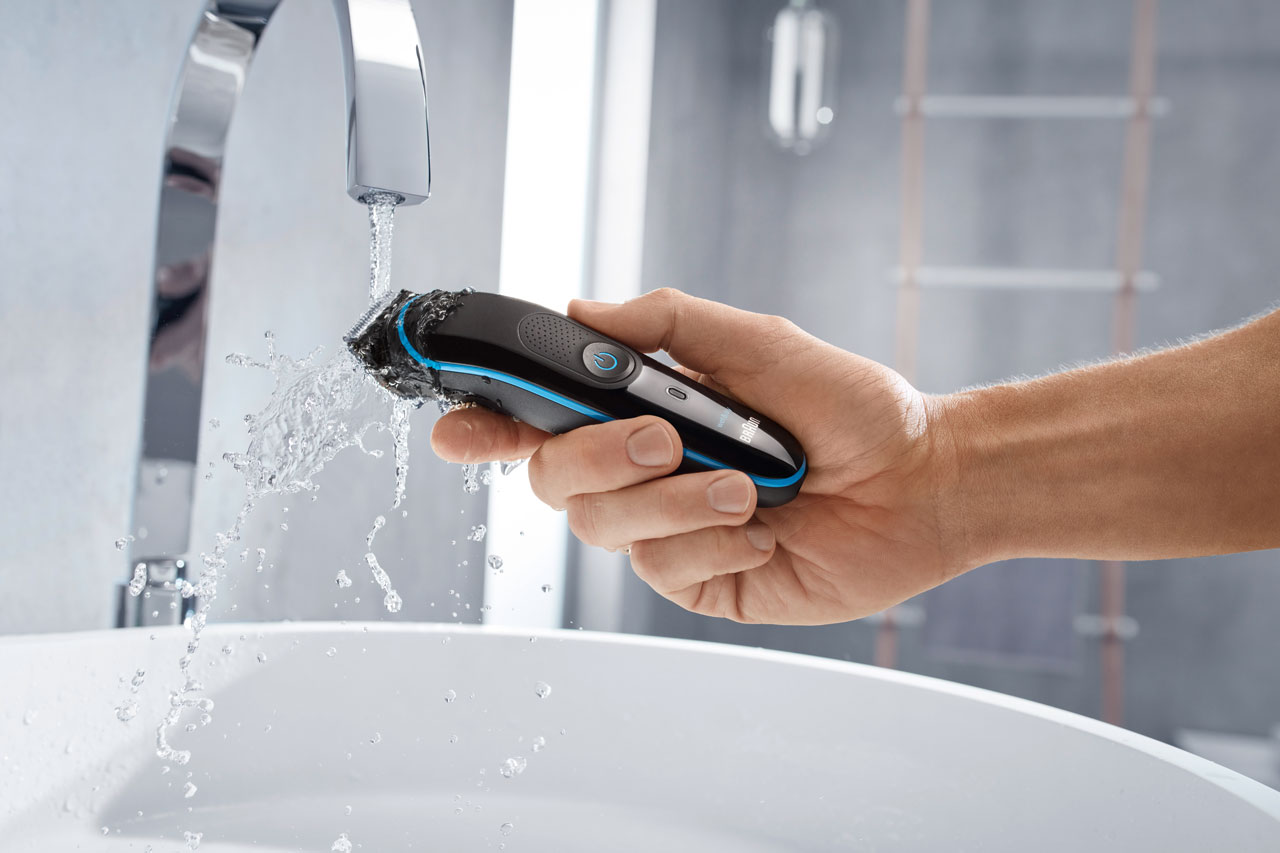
{"x":729,"y":344}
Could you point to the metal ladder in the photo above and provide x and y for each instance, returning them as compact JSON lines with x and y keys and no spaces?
{"x":1126,"y":278}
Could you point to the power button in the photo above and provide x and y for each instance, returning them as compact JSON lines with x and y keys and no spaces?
{"x":606,"y":361}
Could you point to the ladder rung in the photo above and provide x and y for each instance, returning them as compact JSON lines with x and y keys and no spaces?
{"x":1031,"y":106}
{"x":1025,"y":278}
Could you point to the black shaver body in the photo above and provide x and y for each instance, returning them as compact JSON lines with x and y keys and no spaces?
{"x":539,"y":366}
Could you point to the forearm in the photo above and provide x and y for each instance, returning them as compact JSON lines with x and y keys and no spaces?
{"x":1171,"y":454}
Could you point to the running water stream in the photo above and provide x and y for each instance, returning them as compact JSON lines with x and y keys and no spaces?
{"x":317,"y":410}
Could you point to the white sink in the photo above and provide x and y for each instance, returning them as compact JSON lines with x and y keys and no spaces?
{"x":652,"y":745}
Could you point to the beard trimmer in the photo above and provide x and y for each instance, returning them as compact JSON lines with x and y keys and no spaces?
{"x":556,"y":374}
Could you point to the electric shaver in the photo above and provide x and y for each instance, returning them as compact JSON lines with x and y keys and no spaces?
{"x":542,"y":368}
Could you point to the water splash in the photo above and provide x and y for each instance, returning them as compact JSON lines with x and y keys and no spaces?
{"x":399,"y":426}
{"x":470,"y":479}
{"x":392,"y":600}
{"x":316,"y":411}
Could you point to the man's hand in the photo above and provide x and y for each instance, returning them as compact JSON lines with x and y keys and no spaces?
{"x":866,"y":531}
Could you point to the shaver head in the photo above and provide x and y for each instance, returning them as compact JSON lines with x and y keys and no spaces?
{"x":374,"y":339}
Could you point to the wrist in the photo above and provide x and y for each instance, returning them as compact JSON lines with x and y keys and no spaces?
{"x":967,"y":490}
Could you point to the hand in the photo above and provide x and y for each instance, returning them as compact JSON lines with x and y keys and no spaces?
{"x":866,"y":531}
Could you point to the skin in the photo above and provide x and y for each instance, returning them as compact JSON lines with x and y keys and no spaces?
{"x":1171,"y":454}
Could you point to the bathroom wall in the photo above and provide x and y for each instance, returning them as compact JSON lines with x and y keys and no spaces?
{"x":733,"y":218}
{"x":85,"y":98}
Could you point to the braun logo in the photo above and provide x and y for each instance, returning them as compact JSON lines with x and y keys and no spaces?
{"x":749,"y":430}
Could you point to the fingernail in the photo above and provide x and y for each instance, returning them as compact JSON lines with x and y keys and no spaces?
{"x":760,"y":536}
{"x":650,"y":446}
{"x":729,"y":494}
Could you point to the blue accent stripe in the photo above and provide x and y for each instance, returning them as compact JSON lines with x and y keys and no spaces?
{"x":767,"y":482}
{"x":561,"y":400}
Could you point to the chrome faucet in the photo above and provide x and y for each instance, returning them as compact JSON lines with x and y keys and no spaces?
{"x":387,"y":152}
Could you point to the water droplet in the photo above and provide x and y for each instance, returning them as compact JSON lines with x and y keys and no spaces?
{"x":30,"y":716}
{"x":377,"y":738}
{"x":347,"y":810}
{"x":477,"y":533}
{"x":284,"y":525}
{"x":214,"y":423}
{"x":342,"y":580}
{"x":453,"y":738}
{"x":331,"y":651}
{"x":192,"y":838}
{"x":507,"y":828}
{"x":495,"y":562}
{"x":127,"y":711}
{"x":106,"y":830}
{"x":226,"y":650}
{"x":538,"y":743}
{"x":450,"y":695}
{"x":378,"y":524}
{"x":542,"y":689}
{"x":139,"y":579}
{"x":513,"y":766}
{"x":123,"y":542}
{"x":262,"y":657}
{"x":546,"y":587}
{"x":189,"y":790}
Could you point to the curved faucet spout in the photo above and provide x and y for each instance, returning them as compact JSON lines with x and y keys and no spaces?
{"x":388,"y":151}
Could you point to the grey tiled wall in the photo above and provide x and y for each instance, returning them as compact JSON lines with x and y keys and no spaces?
{"x":732,"y":218}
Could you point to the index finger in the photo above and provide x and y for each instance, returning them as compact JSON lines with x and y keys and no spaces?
{"x":480,"y":435}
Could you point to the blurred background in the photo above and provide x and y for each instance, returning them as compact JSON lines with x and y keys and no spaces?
{"x":608,"y":147}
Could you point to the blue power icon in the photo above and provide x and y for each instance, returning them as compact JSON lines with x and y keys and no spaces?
{"x":606,"y":361}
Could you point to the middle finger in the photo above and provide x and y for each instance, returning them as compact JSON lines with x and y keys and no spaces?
{"x":660,"y":508}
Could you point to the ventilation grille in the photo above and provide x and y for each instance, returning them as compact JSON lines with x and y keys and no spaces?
{"x":554,"y":337}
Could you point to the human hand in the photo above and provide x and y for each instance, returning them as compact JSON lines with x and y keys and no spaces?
{"x":869,"y":527}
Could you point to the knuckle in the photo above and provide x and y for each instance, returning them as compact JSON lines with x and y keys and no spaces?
{"x":585,"y":518}
{"x":665,"y":295}
{"x":538,"y":469}
{"x":650,"y":560}
{"x":669,"y":512}
{"x":779,"y":328}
